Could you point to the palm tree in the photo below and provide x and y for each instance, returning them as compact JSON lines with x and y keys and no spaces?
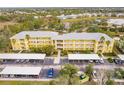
{"x":13,"y":41}
{"x":102,"y":38}
{"x":68,"y":75}
{"x":27,"y":36}
{"x":89,"y":71}
{"x":108,"y":43}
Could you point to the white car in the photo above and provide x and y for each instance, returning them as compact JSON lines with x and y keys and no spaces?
{"x":94,"y":73}
{"x":101,"y":61}
{"x":91,"y":61}
{"x":97,"y":61}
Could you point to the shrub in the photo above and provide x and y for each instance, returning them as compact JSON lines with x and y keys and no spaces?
{"x":110,"y":60}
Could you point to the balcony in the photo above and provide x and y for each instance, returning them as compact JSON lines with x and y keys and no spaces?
{"x":59,"y":42}
{"x":59,"y":46}
{"x":79,"y":43}
{"x":89,"y":43}
{"x":68,"y":43}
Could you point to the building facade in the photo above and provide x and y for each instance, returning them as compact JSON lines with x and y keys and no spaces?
{"x":96,"y":42}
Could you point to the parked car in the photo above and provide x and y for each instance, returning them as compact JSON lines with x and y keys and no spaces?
{"x":101,"y":61}
{"x":94,"y":73}
{"x":50,"y":73}
{"x":82,"y":76}
{"x":96,"y":61}
{"x":120,"y":62}
{"x":116,"y":61}
{"x":91,"y":61}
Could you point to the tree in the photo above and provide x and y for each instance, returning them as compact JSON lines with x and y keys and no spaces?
{"x":110,"y":60}
{"x":27,"y":25}
{"x":4,"y":18}
{"x":64,"y":52}
{"x":13,"y":41}
{"x":14,"y":28}
{"x":68,"y":75}
{"x":120,"y":44}
{"x":37,"y":24}
{"x":119,"y":73}
{"x":48,"y":49}
{"x":108,"y":42}
{"x":27,"y":36}
{"x":104,"y":77}
{"x":101,"y":77}
{"x":109,"y":75}
{"x":102,"y":38}
{"x":35,"y":50}
{"x":110,"y":82}
{"x":89,"y":71}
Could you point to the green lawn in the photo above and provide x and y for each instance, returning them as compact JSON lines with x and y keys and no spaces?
{"x":24,"y":82}
{"x":85,"y":79}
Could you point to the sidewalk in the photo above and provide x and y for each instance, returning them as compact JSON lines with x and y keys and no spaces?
{"x":57,"y":59}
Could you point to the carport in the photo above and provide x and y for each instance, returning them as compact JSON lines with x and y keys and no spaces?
{"x":82,"y":57}
{"x":20,"y":72}
{"x":22,"y":56}
{"x":121,"y":57}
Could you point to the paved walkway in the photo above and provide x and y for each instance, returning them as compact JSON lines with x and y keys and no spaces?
{"x":57,"y":59}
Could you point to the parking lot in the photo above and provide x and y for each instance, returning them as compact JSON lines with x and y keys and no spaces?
{"x":49,"y":63}
{"x":44,"y":73}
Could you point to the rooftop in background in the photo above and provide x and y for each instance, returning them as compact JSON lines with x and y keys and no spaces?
{"x":121,"y":57}
{"x":116,"y":21}
{"x":55,"y":36}
{"x":22,"y":34}
{"x":83,"y":57}
{"x":22,"y":56}
{"x":21,"y":70}
{"x":80,"y":36}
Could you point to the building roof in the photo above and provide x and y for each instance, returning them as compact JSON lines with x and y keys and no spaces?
{"x":11,"y":70}
{"x":22,"y":34}
{"x":55,"y":36}
{"x":116,"y":21}
{"x":80,"y":36}
{"x":83,"y":57}
{"x":22,"y":56}
{"x":121,"y":57}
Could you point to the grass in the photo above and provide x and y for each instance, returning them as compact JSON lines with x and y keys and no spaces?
{"x":2,"y":24}
{"x":24,"y":82}
{"x":85,"y":79}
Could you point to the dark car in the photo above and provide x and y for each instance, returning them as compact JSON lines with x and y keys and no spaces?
{"x":116,"y":61}
{"x":82,"y":76}
{"x":50,"y":73}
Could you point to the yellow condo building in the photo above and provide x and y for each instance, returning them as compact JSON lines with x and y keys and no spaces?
{"x":96,"y":42}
